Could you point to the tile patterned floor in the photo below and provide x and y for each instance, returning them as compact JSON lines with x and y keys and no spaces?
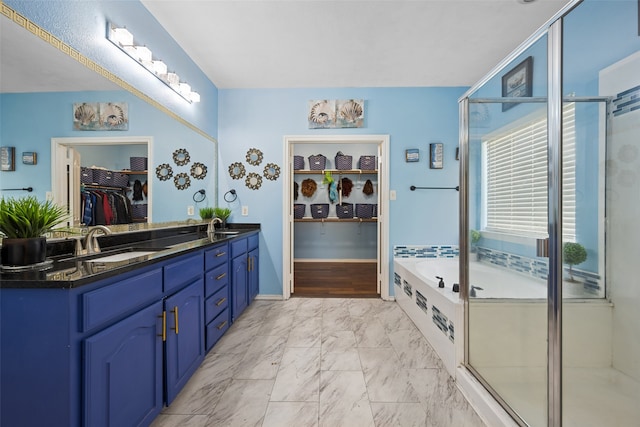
{"x":321,"y":362}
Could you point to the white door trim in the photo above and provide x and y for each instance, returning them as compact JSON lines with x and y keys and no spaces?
{"x":383,"y":203}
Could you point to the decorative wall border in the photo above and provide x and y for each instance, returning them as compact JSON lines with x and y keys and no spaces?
{"x":47,"y":37}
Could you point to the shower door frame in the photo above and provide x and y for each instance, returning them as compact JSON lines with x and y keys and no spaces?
{"x":553,"y":30}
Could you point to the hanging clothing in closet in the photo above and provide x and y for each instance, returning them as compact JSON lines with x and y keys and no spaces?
{"x":101,"y":207}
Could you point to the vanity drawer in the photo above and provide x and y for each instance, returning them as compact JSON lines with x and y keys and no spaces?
{"x":182,"y":271}
{"x":217,"y":328}
{"x":252,"y":241}
{"x":215,"y":304}
{"x":113,"y":301}
{"x":216,"y":279}
{"x":238,"y":247}
{"x":216,"y":256}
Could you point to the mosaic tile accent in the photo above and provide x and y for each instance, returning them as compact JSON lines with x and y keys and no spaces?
{"x":421,"y":301}
{"x":451,"y":332}
{"x":426,"y":251}
{"x":397,"y":279}
{"x":440,"y":320}
{"x":626,"y":101}
{"x":408,"y":289}
{"x":536,"y":267}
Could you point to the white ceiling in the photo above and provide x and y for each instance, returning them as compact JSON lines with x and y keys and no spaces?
{"x":349,"y":43}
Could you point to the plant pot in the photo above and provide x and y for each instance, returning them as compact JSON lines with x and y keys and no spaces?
{"x":20,"y":252}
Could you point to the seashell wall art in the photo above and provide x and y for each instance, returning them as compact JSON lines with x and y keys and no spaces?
{"x":101,"y":116}
{"x":342,"y":113}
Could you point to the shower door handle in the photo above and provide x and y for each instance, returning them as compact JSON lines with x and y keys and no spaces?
{"x":542,"y":248}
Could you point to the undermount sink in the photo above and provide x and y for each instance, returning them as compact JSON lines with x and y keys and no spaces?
{"x":121,"y":256}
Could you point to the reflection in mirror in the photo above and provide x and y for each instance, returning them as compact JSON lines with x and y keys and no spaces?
{"x":49,"y":93}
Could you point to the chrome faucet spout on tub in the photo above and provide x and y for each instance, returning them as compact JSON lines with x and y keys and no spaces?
{"x":472,"y":292}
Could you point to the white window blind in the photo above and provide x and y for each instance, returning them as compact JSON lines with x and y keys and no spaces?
{"x":515,"y":167}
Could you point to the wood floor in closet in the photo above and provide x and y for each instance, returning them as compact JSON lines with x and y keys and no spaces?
{"x":335,"y":279}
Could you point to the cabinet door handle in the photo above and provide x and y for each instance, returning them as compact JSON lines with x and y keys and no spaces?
{"x":220,"y":254}
{"x":164,"y":325}
{"x":221,"y":325}
{"x":175,"y":318}
{"x":221,"y":301}
{"x":221,"y":276}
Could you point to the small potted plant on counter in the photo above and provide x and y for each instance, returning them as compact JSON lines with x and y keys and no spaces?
{"x":207,"y":213}
{"x":223,"y":214}
{"x":23,"y":224}
{"x":573,"y":254}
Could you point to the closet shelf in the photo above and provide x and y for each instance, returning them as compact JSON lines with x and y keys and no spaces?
{"x":338,"y":171}
{"x":103,"y":187}
{"x":130,"y":172}
{"x":336,"y":220}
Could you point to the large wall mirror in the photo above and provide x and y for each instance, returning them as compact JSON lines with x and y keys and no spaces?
{"x":40,"y":85}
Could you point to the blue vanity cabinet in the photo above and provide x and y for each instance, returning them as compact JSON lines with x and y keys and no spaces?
{"x":217,"y":308}
{"x":244,"y":272}
{"x":253,"y":260}
{"x":184,"y":311}
{"x":123,"y":371}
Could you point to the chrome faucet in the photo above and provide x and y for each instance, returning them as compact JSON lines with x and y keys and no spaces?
{"x":212,"y":225}
{"x":90,"y":245}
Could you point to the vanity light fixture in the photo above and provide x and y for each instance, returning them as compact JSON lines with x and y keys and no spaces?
{"x":123,"y":39}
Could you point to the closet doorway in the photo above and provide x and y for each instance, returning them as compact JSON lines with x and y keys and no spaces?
{"x":65,"y":168}
{"x":336,"y":228}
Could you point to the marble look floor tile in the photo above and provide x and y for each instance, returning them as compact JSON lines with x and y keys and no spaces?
{"x":262,"y":359}
{"x":442,"y":401}
{"x":399,"y":414}
{"x":277,"y":323}
{"x":393,"y":318}
{"x":204,"y":389}
{"x":285,"y":414}
{"x":369,"y":332}
{"x":385,"y":380}
{"x":341,"y":360}
{"x":306,"y":332}
{"x":298,"y":379}
{"x":413,"y":350}
{"x":289,"y":306}
{"x":238,"y":338}
{"x":310,"y":307}
{"x":336,"y":318}
{"x":343,"y":400}
{"x":362,"y":307}
{"x":338,"y":340}
{"x":244,"y":403}
{"x":180,"y":421}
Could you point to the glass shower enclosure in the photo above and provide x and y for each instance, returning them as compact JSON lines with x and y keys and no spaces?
{"x":550,"y":196}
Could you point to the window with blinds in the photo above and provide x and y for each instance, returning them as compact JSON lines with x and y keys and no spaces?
{"x":515,"y":168}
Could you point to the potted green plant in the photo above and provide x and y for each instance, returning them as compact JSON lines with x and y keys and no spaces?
{"x":207,"y":213}
{"x":474,"y":237}
{"x":223,"y":214}
{"x":23,"y":224}
{"x":573,"y":254}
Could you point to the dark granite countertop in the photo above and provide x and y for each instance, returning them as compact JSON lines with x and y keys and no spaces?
{"x":64,"y":271}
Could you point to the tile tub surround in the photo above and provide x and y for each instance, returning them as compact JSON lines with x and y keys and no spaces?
{"x":437,"y":312}
{"x":340,"y":362}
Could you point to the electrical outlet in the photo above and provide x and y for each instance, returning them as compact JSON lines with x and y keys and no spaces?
{"x":245,"y":210}
{"x":392,"y":195}
{"x":191,"y":210}
{"x":49,"y":195}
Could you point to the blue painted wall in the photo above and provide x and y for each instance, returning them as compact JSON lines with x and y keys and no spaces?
{"x":29,"y":121}
{"x":413,"y":117}
{"x":83,"y":25}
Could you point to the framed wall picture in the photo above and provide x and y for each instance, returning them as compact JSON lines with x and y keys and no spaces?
{"x":412,"y":155}
{"x":29,"y":158}
{"x":518,"y":82}
{"x":7,"y":159}
{"x":435,"y":156}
